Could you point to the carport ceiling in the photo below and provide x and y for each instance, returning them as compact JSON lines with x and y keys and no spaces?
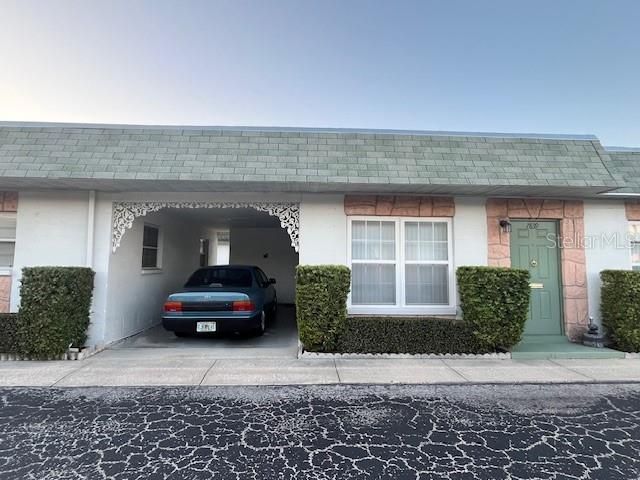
{"x":226,"y":217}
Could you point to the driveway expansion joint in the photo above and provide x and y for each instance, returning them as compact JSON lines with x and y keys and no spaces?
{"x":207,"y":372}
{"x":457,"y":372}
{"x":68,"y":374}
{"x":335,"y":365}
{"x":552,"y":360}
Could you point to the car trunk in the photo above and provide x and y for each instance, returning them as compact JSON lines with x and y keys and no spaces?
{"x":209,"y":300}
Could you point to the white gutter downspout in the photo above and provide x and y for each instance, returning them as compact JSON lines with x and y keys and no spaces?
{"x":91,"y":220}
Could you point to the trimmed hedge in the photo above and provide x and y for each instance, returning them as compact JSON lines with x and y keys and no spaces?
{"x":620,"y":307}
{"x":495,"y":303}
{"x":54,"y":310}
{"x":9,"y":342}
{"x":321,"y":304}
{"x":408,"y":335}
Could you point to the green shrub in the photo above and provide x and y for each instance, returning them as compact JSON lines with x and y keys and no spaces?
{"x":620,"y":307}
{"x":495,"y":303}
{"x":54,"y":312}
{"x":407,"y":335}
{"x":8,"y":333}
{"x":321,"y":304}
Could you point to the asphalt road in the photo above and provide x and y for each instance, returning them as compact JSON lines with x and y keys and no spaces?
{"x":395,"y":432}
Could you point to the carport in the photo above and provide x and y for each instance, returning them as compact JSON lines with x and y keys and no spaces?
{"x":159,"y":245}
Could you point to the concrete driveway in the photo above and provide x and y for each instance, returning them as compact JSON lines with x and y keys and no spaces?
{"x":279,"y":341}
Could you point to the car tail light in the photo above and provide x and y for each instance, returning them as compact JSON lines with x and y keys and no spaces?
{"x":173,"y":306}
{"x":243,"y":306}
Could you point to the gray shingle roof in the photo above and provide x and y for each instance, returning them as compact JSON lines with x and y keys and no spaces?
{"x":143,"y":158}
{"x":624,"y":166}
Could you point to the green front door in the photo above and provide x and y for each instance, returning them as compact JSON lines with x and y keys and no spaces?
{"x":534,"y":248}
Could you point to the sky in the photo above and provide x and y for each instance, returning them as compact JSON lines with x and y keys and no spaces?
{"x":537,"y":66}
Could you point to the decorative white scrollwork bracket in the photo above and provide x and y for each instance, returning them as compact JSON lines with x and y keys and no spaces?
{"x":124,"y":214}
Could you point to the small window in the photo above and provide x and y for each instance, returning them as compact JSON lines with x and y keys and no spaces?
{"x":222,"y":248}
{"x":150,"y":247}
{"x":7,"y":239}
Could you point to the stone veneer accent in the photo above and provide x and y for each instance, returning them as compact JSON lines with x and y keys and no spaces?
{"x":5,"y":293}
{"x":8,"y":203}
{"x":399,"y":205}
{"x":570,"y":214}
{"x":632,"y":208}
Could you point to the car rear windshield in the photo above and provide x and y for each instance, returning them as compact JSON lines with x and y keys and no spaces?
{"x":220,"y":277}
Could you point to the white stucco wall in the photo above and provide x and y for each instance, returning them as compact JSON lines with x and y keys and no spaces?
{"x":469,"y":236}
{"x":470,"y":232}
{"x":100,"y":264}
{"x":606,"y":228}
{"x":249,"y":246}
{"x":52,"y":226}
{"x":51,"y":230}
{"x":135,"y":296}
{"x":323,"y":230}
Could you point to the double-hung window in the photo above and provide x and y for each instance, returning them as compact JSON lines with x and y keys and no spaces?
{"x":151,"y":248}
{"x":634,"y":242}
{"x":7,"y":239}
{"x":426,"y":259}
{"x":401,"y":265}
{"x":374,"y":265}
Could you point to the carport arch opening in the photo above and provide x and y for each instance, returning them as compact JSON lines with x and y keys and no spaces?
{"x":125,"y":213}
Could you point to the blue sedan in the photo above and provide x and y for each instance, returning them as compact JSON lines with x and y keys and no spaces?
{"x":222,"y":299}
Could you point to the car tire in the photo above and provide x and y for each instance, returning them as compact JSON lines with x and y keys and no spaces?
{"x":274,"y":309}
{"x":260,"y":329}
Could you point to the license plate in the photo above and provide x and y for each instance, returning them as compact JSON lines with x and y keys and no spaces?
{"x":206,"y":327}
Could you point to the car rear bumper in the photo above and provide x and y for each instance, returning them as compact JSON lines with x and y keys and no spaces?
{"x":224,"y":324}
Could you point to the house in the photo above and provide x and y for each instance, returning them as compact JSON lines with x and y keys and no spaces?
{"x":145,"y":206}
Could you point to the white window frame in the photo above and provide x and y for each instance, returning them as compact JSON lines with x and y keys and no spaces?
{"x":6,"y":269}
{"x":401,"y":308}
{"x":632,"y":240}
{"x":158,"y":267}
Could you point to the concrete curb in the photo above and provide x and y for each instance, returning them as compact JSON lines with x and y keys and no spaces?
{"x":71,"y":354}
{"x":369,"y":356}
